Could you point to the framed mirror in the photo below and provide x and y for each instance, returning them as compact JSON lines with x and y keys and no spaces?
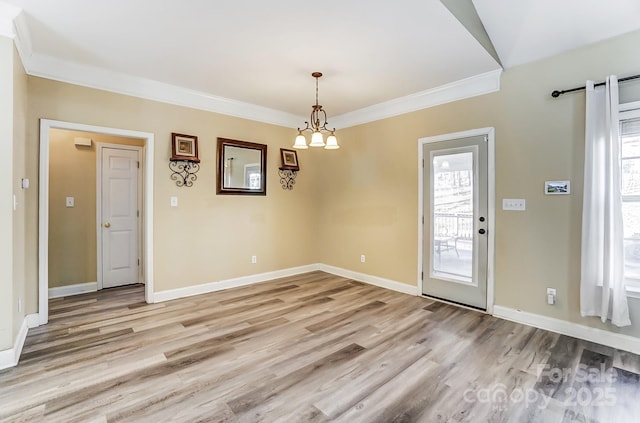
{"x":241,"y":168}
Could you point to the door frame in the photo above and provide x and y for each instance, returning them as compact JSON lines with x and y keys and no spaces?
{"x":100,"y":146}
{"x":43,"y":206}
{"x":491,"y":201}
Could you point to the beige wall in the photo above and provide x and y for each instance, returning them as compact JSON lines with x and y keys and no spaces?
{"x":19,"y":172}
{"x":369,"y":203}
{"x":6,"y":189}
{"x":72,"y":231}
{"x":208,"y":237}
{"x":13,"y":107}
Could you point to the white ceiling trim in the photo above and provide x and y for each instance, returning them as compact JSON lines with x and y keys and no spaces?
{"x":92,"y":77}
{"x":7,"y":14}
{"x":22,"y":38}
{"x":465,"y":88}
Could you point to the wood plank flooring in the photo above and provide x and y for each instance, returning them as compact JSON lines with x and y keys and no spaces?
{"x":310,"y":348}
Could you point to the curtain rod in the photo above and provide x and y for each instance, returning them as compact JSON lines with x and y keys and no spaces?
{"x":557,"y":93}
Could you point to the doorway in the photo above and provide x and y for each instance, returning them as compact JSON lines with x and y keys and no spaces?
{"x":146,"y":195}
{"x":456,"y":218}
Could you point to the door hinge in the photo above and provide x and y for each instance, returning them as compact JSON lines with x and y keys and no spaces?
{"x":423,"y":220}
{"x":138,"y":262}
{"x":422,"y":275}
{"x":423,"y":163}
{"x":138,"y":163}
{"x":137,"y":213}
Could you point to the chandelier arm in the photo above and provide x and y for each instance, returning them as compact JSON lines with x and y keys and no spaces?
{"x":306,"y":128}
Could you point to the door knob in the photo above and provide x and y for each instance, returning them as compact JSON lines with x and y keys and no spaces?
{"x":482,"y":231}
{"x":107,"y":225}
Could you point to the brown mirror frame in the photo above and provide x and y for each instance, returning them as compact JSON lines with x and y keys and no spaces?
{"x":220,"y":186}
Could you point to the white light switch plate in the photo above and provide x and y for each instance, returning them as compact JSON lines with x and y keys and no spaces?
{"x":518,"y":204}
{"x":71,"y":202}
{"x":174,"y":201}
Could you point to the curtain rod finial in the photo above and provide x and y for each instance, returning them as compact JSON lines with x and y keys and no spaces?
{"x":555,"y":94}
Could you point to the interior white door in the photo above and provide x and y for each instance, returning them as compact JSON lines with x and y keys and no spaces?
{"x":119,"y":216}
{"x":455,"y":239}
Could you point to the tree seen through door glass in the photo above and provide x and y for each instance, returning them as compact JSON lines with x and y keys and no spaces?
{"x":452,"y":218}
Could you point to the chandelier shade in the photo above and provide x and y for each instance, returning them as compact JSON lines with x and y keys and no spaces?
{"x":301,"y":142}
{"x":332,"y":143}
{"x":317,"y":140}
{"x":317,"y":125}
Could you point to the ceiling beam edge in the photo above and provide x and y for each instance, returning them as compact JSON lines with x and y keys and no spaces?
{"x":465,"y":12}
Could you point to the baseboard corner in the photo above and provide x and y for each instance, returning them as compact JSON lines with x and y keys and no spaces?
{"x":10,"y":357}
{"x":371,"y":280}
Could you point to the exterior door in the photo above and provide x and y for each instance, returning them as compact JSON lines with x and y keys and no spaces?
{"x":119,"y":216}
{"x":455,"y":240}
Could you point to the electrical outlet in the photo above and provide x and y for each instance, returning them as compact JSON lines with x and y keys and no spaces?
{"x":551,"y":296}
{"x":254,"y":259}
{"x":363,"y":258}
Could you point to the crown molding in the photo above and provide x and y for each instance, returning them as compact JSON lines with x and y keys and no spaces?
{"x":43,"y":66}
{"x":102,"y":79}
{"x":22,"y":38}
{"x":465,"y":88}
{"x":8,"y":14}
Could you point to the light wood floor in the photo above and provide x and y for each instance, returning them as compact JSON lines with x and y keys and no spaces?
{"x":314,"y":348}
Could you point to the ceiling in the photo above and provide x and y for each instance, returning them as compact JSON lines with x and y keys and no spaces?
{"x":258,"y":55}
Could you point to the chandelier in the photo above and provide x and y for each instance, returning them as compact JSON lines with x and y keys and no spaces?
{"x":317,"y":139}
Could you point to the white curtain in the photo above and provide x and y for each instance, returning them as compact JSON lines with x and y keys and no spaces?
{"x":602,"y":289}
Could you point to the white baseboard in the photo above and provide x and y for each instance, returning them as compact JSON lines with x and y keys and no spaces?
{"x":598,"y":336}
{"x":371,"y":280}
{"x":189,"y":291}
{"x":10,"y":357}
{"x":79,"y":288}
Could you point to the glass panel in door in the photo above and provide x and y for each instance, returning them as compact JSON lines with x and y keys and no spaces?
{"x":452,"y":216}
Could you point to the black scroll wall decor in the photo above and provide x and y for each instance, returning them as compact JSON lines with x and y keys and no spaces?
{"x":184,"y":163}
{"x":287,"y":178}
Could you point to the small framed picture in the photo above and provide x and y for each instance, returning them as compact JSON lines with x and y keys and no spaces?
{"x":557,"y":187}
{"x":184,"y":147}
{"x":289,"y":159}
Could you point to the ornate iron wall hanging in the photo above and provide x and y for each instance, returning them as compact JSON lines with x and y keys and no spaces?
{"x":184,"y":172}
{"x":287,"y":178}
